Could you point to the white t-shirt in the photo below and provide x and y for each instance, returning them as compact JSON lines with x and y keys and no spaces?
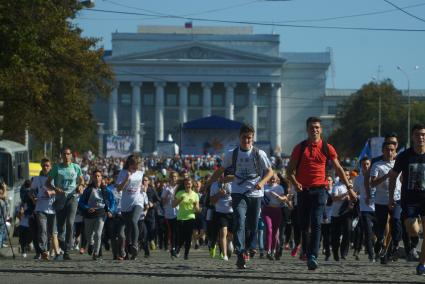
{"x":380,"y":169}
{"x":224,"y":203}
{"x":358,"y":186}
{"x":169,"y":211}
{"x":269,"y":198}
{"x":245,"y":168}
{"x":44,"y":202}
{"x":338,"y":190}
{"x":96,"y":199}
{"x":131,"y":192}
{"x":144,"y":201}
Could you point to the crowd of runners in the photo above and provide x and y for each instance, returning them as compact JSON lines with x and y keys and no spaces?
{"x":249,"y":206}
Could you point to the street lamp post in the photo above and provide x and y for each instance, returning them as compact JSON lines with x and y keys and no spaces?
{"x":408,"y":101}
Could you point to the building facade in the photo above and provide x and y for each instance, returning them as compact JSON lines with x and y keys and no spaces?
{"x":166,"y":76}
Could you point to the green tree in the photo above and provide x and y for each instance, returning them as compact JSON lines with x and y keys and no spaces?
{"x":49,"y":74}
{"x":358,"y":118}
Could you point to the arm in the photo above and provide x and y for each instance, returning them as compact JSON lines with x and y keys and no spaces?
{"x":378,"y":180}
{"x":83,"y":202}
{"x":392,"y":183}
{"x":290,"y":173}
{"x":265,"y":179}
{"x":340,"y":172}
{"x":282,"y":198}
{"x":50,"y":187}
{"x":216,"y":175}
{"x":120,"y":186}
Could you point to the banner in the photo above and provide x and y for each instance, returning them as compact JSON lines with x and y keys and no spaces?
{"x":119,"y":146}
{"x":208,"y":141}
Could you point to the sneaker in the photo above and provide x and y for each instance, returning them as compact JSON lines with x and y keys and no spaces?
{"x":196,"y":246}
{"x":384,"y":259}
{"x":245,"y":257}
{"x":225,"y":258}
{"x":152,"y":245}
{"x":37,"y":256}
{"x":24,"y":255}
{"x":394,"y":254}
{"x":252,"y":253}
{"x":230,"y":247}
{"x":66,"y":256}
{"x":413,"y":255}
{"x":287,"y":246}
{"x":45,"y":256}
{"x":295,"y":251}
{"x":420,"y":269}
{"x":312,"y":263}
{"x":186,"y":257}
{"x":213,"y":251}
{"x":270,"y":256}
{"x":261,"y":255}
{"x":58,"y":257}
{"x":241,"y":263}
{"x":279,"y":253}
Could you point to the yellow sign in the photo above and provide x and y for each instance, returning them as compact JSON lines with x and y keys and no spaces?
{"x":35,"y":169}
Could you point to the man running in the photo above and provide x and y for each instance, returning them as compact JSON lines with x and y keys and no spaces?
{"x":411,"y":164}
{"x":68,"y":182}
{"x":251,"y":169}
{"x":307,"y":172}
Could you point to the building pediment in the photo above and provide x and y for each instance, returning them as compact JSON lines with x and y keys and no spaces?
{"x":197,"y":51}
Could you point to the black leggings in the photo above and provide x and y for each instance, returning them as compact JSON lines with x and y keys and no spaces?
{"x":172,"y":234}
{"x":185,"y":234}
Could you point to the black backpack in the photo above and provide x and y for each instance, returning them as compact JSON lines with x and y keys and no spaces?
{"x":232,"y":169}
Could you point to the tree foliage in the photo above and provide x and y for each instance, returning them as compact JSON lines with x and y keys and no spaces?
{"x":358,"y":118}
{"x":49,"y":74}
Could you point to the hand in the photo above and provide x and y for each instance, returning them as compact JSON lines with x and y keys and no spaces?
{"x":259,"y":186}
{"x":391,"y":204}
{"x":109,"y":215}
{"x":80,"y":189}
{"x":91,"y":210}
{"x":222,"y":192}
{"x":298,"y":187}
{"x":59,"y":190}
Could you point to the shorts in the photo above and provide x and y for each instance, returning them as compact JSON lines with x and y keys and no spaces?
{"x":413,"y":210}
{"x":200,"y":223}
{"x":223,"y":220}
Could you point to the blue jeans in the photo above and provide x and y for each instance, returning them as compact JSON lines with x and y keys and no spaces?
{"x":382,"y":212}
{"x":311,"y":205}
{"x":246,"y":212}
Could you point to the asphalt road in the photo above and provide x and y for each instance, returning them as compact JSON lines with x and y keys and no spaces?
{"x":200,"y":268}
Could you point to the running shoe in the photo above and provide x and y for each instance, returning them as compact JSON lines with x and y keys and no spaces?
{"x":225,"y":258}
{"x":420,"y":269}
{"x":66,"y":256}
{"x":295,"y":251}
{"x":312,"y":263}
{"x":152,"y":245}
{"x":213,"y":251}
{"x":287,"y":246}
{"x":252,"y":253}
{"x":24,"y":255}
{"x":241,"y":263}
{"x":246,"y":257}
{"x":90,"y":250}
{"x":58,"y":257}
{"x":45,"y":255}
{"x":270,"y":256}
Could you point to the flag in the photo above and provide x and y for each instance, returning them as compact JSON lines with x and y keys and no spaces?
{"x":188,"y":25}
{"x":366,"y":151}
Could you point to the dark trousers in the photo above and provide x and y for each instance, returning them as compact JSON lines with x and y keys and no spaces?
{"x":185,"y":234}
{"x":326,"y":238}
{"x":143,"y":237}
{"x":368,"y":223}
{"x":382,"y":212}
{"x":161,"y":232}
{"x":311,"y":204}
{"x":172,"y":233}
{"x":79,"y":232}
{"x":341,"y":226}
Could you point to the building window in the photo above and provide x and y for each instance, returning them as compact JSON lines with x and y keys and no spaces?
{"x":194,"y":100}
{"x":171,"y":100}
{"x":125,"y":99}
{"x":332,"y":110}
{"x":262,"y":100}
{"x":240,"y":100}
{"x":218,"y":100}
{"x":148,"y":100}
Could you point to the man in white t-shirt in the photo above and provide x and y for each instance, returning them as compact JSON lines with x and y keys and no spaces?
{"x":367,"y":206}
{"x":251,"y":170}
{"x":379,"y":175}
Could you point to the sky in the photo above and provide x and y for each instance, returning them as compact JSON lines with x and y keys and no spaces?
{"x":359,"y":56}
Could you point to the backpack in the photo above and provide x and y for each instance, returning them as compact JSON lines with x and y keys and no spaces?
{"x":232,"y":169}
{"x":324,"y":149}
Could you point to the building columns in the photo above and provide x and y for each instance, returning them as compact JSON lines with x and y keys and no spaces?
{"x":113,"y":110}
{"x":206,"y":106}
{"x":135,"y":114}
{"x":252,"y":113}
{"x":183,"y":86}
{"x":230,"y":100}
{"x":275,"y":111}
{"x":159,"y":111}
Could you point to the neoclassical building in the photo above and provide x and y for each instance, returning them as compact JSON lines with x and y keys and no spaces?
{"x":166,"y":76}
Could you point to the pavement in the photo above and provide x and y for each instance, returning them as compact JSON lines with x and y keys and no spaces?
{"x":199,"y":268}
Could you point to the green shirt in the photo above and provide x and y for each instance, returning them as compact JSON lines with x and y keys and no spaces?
{"x":187,"y":205}
{"x":66,"y":178}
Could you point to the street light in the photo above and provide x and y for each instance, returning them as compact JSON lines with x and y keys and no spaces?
{"x":408,"y":101}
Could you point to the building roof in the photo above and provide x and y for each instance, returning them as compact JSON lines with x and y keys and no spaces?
{"x":306,"y":57}
{"x":212,"y":122}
